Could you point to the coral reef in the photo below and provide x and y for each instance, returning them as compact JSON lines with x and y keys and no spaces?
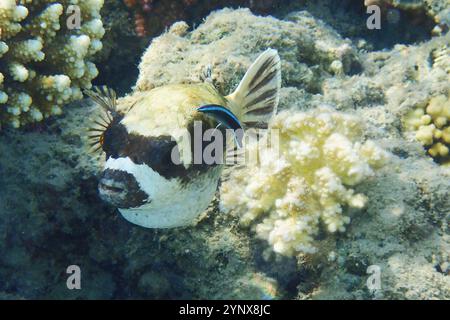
{"x":398,"y":25}
{"x":52,"y":217}
{"x":439,"y":10}
{"x":111,"y":61}
{"x":408,"y":203}
{"x":432,"y":126}
{"x":152,"y":16}
{"x":317,"y":59}
{"x":43,"y":63}
{"x":415,"y":92}
{"x":321,"y":159}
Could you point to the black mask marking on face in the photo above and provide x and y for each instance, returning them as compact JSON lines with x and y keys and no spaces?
{"x":120,"y":189}
{"x":114,"y":138}
{"x":155,"y":152}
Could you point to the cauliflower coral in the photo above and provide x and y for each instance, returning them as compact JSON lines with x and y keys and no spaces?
{"x":431,"y":125}
{"x":308,"y":180}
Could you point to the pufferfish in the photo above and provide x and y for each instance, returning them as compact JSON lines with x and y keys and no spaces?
{"x":140,"y":177}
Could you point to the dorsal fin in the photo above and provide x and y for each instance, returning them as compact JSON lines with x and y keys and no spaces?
{"x":256,"y":98}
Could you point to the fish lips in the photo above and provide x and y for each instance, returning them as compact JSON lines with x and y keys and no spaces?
{"x":120,"y":189}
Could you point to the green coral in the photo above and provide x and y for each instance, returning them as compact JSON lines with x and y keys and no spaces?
{"x":43,"y":63}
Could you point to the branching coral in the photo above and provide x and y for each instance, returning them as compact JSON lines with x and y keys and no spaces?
{"x":432,"y":126}
{"x":308,"y":182}
{"x":43,"y":63}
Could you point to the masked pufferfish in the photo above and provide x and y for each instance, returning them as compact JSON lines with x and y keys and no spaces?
{"x":140,"y":178}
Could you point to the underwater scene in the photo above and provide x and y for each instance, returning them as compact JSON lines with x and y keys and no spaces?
{"x":225,"y":149}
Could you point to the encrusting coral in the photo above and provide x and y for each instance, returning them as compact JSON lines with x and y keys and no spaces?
{"x":431,"y":124}
{"x":44,"y":64}
{"x":309,"y":181}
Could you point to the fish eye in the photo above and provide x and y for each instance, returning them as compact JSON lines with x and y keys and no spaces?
{"x":165,"y":148}
{"x":110,"y":139}
{"x":160,"y":153}
{"x":115,"y":139}
{"x":97,"y":138}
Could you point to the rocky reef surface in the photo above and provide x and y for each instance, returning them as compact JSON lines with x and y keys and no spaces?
{"x":51,"y":216}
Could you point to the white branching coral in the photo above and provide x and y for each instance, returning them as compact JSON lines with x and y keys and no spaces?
{"x":44,"y":64}
{"x":309,"y":180}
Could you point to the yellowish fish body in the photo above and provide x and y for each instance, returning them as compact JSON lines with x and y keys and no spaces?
{"x":169,"y":109}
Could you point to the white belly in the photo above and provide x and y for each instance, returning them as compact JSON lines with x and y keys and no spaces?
{"x":178,"y":209}
{"x":173,"y":204}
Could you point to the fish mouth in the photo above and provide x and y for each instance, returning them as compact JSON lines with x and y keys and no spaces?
{"x":121,"y":190}
{"x":109,"y":186}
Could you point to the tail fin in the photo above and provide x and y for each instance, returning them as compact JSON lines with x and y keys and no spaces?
{"x":257,"y":96}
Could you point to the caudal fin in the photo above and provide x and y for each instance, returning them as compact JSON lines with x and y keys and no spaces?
{"x":256,"y":98}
